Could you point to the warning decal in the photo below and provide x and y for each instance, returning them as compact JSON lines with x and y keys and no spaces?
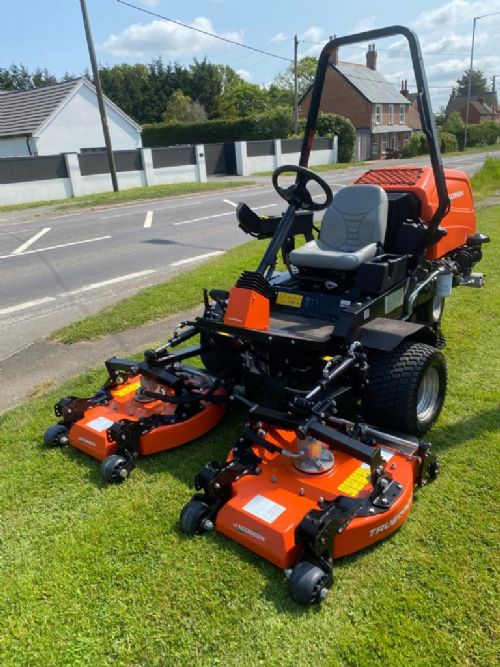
{"x":127,"y":389}
{"x":287,"y":299}
{"x":356,"y":481}
{"x":264,"y":509}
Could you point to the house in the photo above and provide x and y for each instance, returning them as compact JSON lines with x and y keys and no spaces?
{"x":376,"y":109}
{"x":63,"y":118}
{"x":482,"y":108}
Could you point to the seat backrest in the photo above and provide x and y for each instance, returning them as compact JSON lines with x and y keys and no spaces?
{"x":356,"y":218}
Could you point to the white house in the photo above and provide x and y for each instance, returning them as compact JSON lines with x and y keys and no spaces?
{"x":63,"y":118}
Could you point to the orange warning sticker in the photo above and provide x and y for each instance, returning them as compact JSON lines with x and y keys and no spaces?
{"x":127,"y":389}
{"x":356,"y":481}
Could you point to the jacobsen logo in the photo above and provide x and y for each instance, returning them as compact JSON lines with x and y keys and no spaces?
{"x":385,"y":526}
{"x":87,"y":442}
{"x":248,"y":531}
{"x":456,"y":195}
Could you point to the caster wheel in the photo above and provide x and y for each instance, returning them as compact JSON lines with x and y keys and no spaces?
{"x":308,"y":584}
{"x":115,"y":469}
{"x":434,"y":470}
{"x":56,"y":436}
{"x":194,"y":518}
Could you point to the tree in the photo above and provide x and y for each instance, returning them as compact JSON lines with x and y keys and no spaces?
{"x":206,"y":82}
{"x":306,"y":71}
{"x":15,"y":77}
{"x":479,"y":83}
{"x":454,"y":124}
{"x":241,"y":100}
{"x":181,"y":108}
{"x":129,"y":87}
{"x":330,"y":125}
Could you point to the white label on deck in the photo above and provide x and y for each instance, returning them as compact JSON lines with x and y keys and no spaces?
{"x":264,"y":509}
{"x":100,"y":424}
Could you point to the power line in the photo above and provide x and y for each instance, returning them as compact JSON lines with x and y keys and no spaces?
{"x":203,"y":32}
{"x":397,"y":51}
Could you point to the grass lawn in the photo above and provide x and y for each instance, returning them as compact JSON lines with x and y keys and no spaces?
{"x":101,"y":576}
{"x":322,"y":167}
{"x":129,"y":195}
{"x":486,"y":181}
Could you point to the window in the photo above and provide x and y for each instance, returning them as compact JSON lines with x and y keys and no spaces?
{"x":374,"y":146}
{"x":391,"y":114}
{"x":401,"y":114}
{"x":378,"y":114}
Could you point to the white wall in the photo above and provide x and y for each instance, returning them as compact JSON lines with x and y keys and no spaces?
{"x":78,"y":125}
{"x":15,"y":147}
{"x":19,"y":193}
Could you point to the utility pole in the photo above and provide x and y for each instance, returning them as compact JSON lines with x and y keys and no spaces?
{"x":100,"y":98}
{"x":295,"y":86}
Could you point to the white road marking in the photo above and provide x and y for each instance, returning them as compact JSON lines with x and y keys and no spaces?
{"x":111,"y":281}
{"x":195,"y":259}
{"x":55,"y":247}
{"x":30,"y":241}
{"x":218,"y":215}
{"x":26,"y":304}
{"x":149,"y":220}
{"x":231,"y":203}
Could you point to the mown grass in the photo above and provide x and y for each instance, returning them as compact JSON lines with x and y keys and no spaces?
{"x":129,"y":195}
{"x":486,"y":181}
{"x":322,"y":167}
{"x":100,"y":575}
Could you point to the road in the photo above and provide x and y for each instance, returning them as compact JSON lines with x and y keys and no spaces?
{"x":59,"y":268}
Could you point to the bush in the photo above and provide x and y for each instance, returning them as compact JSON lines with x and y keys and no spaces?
{"x":417,"y":145}
{"x":448,"y":142}
{"x":483,"y":134}
{"x":329,"y":125}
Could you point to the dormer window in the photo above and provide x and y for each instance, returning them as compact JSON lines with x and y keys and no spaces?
{"x":378,"y":114}
{"x":391,"y":114}
{"x":401,"y":114}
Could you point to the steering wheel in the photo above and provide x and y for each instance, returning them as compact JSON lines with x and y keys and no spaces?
{"x":297,"y":193}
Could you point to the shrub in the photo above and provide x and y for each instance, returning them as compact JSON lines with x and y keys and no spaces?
{"x":330,"y":124}
{"x":417,"y":145}
{"x":483,"y":134}
{"x":448,"y":142}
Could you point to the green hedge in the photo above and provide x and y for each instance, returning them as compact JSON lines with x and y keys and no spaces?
{"x":275,"y":125}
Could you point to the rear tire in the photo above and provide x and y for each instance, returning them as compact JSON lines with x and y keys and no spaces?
{"x":406,"y":388}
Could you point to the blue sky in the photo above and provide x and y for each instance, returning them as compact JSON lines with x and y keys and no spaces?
{"x":50,"y":34}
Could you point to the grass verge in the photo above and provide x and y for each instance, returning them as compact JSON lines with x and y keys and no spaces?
{"x":321,"y":167}
{"x":100,"y":575}
{"x":486,"y":181}
{"x":130,"y":195}
{"x":179,"y":293}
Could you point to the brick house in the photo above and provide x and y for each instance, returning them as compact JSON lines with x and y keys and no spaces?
{"x":482,"y":108}
{"x":377,"y":110}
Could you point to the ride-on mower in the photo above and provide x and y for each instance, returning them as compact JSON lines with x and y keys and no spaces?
{"x":357,"y":313}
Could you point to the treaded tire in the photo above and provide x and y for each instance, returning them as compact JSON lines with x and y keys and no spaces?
{"x":115,"y":469}
{"x":392,"y":398}
{"x":215,"y":360}
{"x":56,"y":436}
{"x":192,"y":516}
{"x":306,"y":583}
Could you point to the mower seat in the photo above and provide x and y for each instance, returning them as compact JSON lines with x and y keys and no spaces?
{"x":352,"y":231}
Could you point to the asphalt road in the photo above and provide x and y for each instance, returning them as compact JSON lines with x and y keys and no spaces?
{"x":56,"y":269}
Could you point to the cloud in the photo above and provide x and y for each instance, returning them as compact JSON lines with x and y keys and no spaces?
{"x":157,"y":37}
{"x":279,"y":38}
{"x":455,"y":12}
{"x":366,"y":23}
{"x":244,"y":73}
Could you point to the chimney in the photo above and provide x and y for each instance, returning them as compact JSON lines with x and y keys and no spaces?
{"x":404,"y":88}
{"x":334,"y":58}
{"x":371,"y":57}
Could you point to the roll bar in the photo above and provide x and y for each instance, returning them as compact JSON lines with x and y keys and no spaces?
{"x":426,"y":118}
{"x":424,"y":108}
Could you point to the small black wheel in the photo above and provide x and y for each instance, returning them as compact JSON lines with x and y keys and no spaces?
{"x":308,"y":584}
{"x":434,"y":468}
{"x":406,"y":388}
{"x":194,"y":517}
{"x":56,"y":436}
{"x":115,"y":469}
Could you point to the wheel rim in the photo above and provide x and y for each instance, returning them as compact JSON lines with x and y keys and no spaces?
{"x":428,"y":393}
{"x":437,"y":308}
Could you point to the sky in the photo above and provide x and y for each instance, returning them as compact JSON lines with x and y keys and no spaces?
{"x":49,"y":33}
